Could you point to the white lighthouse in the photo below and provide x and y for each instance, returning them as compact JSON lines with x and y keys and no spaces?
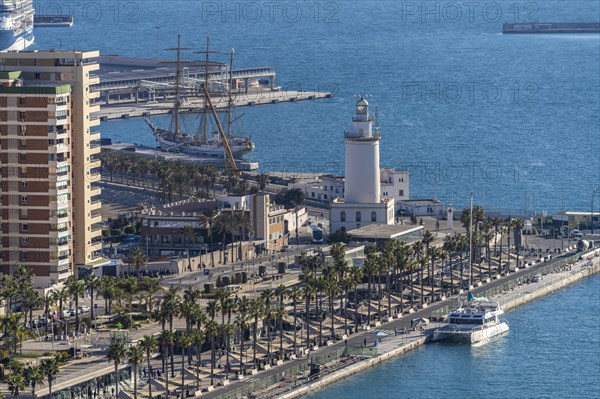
{"x":362,"y":203}
{"x":362,"y":158}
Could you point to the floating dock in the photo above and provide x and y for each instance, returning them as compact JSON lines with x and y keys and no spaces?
{"x":53,"y":21}
{"x":551,"y":27}
{"x":149,"y":152}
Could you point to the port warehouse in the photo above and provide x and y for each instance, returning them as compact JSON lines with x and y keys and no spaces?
{"x":134,"y":79}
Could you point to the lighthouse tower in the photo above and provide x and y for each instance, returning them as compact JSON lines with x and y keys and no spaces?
{"x":362,"y":203}
{"x":362,"y":184}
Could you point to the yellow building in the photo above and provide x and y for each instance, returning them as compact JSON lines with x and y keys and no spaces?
{"x":50,"y":164}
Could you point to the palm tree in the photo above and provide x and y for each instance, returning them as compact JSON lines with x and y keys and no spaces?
{"x":166,"y":339}
{"x":135,"y":357}
{"x":149,"y":344}
{"x":184,"y":341}
{"x":209,"y":217}
{"x":189,"y":233}
{"x":370,"y":269}
{"x":116,"y":353}
{"x":61,"y":295}
{"x":212,"y":330}
{"x":262,"y":179}
{"x":16,"y":384}
{"x":92,"y":282}
{"x":256,"y":311}
{"x":519,"y":225}
{"x":138,"y":259}
{"x":510,"y":224}
{"x":76,"y":290}
{"x":34,"y":376}
{"x":296,"y":296}
{"x":50,"y":370}
{"x":356,"y":276}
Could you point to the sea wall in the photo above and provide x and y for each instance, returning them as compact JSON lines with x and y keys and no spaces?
{"x":353,"y":369}
{"x":547,"y":289}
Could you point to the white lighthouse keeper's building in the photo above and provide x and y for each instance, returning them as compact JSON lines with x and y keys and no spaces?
{"x":362,"y":204}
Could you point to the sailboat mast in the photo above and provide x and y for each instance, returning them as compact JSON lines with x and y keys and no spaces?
{"x":230,"y":99}
{"x":177,"y":103}
{"x":205,"y":127}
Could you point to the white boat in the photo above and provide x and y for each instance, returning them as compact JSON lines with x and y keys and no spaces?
{"x":477,"y":320}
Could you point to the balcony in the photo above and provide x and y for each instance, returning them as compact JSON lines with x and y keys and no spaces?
{"x":94,"y":143}
{"x":97,"y":226}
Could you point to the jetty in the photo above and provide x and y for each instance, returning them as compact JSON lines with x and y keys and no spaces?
{"x":53,"y":21}
{"x":551,"y":27}
{"x":195,"y":105}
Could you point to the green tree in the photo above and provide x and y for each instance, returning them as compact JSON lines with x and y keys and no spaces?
{"x":34,"y":376}
{"x":149,"y":344}
{"x":50,"y":370}
{"x":116,"y":353}
{"x":16,"y":384}
{"x":135,"y":357}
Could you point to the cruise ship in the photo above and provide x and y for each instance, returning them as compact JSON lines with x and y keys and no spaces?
{"x":16,"y":24}
{"x":477,"y":320}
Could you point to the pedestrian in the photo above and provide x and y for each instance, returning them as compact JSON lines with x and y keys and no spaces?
{"x":395,"y":331}
{"x":345,"y":342}
{"x":365,"y":342}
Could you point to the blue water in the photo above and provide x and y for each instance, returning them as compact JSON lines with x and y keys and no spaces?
{"x":513,"y":118}
{"x":551,"y":351}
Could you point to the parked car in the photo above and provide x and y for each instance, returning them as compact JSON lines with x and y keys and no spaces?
{"x":66,"y":313}
{"x":83,"y":309}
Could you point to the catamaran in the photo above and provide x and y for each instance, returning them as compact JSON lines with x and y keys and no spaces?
{"x":479,"y":319}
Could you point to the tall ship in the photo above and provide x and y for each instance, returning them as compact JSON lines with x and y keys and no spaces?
{"x":16,"y":24}
{"x":201,"y":142}
{"x":476,"y":320}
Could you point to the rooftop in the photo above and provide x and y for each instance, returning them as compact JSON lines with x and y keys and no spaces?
{"x":40,"y":90}
{"x":10,"y":75}
{"x":422,"y":202}
{"x":383,"y":231}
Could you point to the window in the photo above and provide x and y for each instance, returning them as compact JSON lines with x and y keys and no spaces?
{"x":24,"y":213}
{"x":22,"y":100}
{"x":343,"y":229}
{"x":38,"y":76}
{"x":373,"y":216}
{"x":325,"y":196}
{"x":23,"y":184}
{"x":23,"y":130}
{"x":23,"y":256}
{"x":22,"y":116}
{"x":401,"y":180}
{"x":24,"y":227}
{"x":23,"y":198}
{"x":23,"y":143}
{"x":358,"y":216}
{"x":401,"y":193}
{"x":343,"y":216}
{"x":23,"y":157}
{"x":24,"y":240}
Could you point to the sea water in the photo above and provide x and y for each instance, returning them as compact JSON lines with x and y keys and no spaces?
{"x":514,"y":119}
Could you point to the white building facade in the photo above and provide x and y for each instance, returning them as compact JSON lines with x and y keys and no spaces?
{"x":362,"y":203}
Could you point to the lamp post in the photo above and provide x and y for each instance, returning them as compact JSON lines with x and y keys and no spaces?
{"x":592,"y":212}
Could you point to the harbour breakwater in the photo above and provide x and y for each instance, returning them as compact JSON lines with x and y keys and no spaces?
{"x":517,"y":290}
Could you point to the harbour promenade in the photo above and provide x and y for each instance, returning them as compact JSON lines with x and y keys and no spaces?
{"x":510,"y":291}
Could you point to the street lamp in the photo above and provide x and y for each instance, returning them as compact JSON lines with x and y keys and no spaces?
{"x":592,"y":212}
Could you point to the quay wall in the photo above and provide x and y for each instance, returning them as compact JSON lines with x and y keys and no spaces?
{"x":353,"y":369}
{"x":404,"y":348}
{"x":548,"y":289}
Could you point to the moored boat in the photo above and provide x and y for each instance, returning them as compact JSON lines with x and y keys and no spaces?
{"x":477,"y":320}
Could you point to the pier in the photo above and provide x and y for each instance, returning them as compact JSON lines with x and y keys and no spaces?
{"x":133,"y":110}
{"x":551,"y":27}
{"x":53,"y":21}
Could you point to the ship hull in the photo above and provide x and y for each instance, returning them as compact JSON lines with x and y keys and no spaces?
{"x":213,"y":151}
{"x":470,"y":336}
{"x":11,"y":42}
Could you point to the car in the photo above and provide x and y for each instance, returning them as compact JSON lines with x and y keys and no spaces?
{"x":83,"y":309}
{"x":577,"y":235}
{"x":66,"y":313}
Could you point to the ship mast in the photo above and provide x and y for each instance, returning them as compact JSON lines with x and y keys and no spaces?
{"x":177,"y":82}
{"x":230,"y":99}
{"x":206,"y":80}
